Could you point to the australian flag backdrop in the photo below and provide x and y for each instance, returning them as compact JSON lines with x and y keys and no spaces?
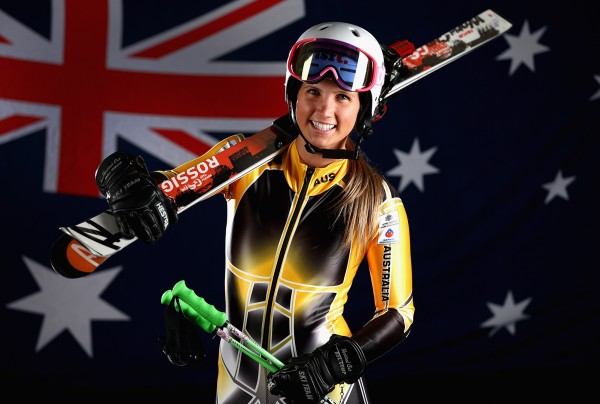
{"x":495,"y":156}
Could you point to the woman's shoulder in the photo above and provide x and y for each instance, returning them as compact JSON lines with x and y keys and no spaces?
{"x":389,"y":190}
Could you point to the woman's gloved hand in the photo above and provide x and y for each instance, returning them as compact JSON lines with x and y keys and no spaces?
{"x":308,"y":378}
{"x":140,"y":207}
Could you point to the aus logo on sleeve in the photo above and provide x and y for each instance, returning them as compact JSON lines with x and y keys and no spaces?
{"x":389,"y":228}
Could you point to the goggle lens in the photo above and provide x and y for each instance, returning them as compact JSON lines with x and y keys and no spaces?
{"x":353,"y":69}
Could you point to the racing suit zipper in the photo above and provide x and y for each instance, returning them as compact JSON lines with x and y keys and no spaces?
{"x":284,"y":245}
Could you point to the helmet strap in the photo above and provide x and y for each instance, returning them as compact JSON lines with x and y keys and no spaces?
{"x":338,"y":153}
{"x":331,"y":153}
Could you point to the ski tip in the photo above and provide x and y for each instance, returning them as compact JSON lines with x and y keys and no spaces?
{"x":71,"y":259}
{"x":500,"y":23}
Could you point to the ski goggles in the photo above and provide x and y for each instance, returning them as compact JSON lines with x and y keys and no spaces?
{"x":352,"y":68}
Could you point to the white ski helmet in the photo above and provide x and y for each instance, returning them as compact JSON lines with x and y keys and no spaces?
{"x":345,"y":52}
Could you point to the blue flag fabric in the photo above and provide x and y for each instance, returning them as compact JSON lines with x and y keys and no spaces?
{"x":494,"y":155}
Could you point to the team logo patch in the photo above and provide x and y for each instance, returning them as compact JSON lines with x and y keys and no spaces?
{"x":389,"y":228}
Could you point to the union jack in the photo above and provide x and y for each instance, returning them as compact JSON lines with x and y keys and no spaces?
{"x":84,"y":83}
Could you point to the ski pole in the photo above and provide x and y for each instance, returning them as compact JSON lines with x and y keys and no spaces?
{"x":207,"y":326}
{"x":219,"y":319}
{"x":189,"y":313}
{"x":210,"y":319}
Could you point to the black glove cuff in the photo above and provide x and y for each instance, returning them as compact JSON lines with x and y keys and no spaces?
{"x":343,"y":358}
{"x":114,"y":167}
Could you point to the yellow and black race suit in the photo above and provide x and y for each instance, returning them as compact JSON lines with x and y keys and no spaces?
{"x":288,"y":272}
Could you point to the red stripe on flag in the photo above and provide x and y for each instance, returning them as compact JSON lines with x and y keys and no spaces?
{"x":85,"y":89}
{"x":17,"y":121}
{"x":207,"y":30}
{"x":184,"y":139}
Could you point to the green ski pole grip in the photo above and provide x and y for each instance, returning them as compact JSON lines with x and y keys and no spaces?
{"x":189,"y":312}
{"x":208,"y":311}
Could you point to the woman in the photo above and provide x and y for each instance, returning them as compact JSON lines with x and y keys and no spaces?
{"x":297,"y":230}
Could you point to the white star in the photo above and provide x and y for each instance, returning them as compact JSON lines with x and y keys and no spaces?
{"x":412,"y":167}
{"x":68,"y":304}
{"x":507,"y":315}
{"x":597,"y":93}
{"x":523,"y":48}
{"x":558,"y":187}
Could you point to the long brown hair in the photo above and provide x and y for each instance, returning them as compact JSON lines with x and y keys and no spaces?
{"x":359,"y":202}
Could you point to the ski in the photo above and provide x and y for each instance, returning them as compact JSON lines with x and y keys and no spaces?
{"x":447,"y":48}
{"x":82,"y":248}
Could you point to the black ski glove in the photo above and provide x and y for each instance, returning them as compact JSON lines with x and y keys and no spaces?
{"x":140,"y":207}
{"x":308,"y":378}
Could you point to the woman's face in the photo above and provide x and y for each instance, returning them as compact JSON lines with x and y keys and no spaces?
{"x":326,"y":114}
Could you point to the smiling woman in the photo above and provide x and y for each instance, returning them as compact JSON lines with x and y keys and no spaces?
{"x":492,"y":156}
{"x":326,"y":115}
{"x":298,"y":229}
